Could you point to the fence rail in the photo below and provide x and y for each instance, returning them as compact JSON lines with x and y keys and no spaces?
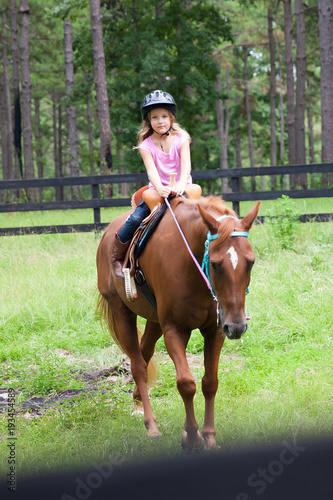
{"x":96,"y":203}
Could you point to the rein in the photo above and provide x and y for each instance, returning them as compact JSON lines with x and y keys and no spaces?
{"x":207,"y":281}
{"x":204,"y":268}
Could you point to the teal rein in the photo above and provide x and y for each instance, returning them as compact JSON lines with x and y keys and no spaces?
{"x":211,"y":237}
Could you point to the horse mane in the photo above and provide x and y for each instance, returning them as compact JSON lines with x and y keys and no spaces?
{"x":216,"y":206}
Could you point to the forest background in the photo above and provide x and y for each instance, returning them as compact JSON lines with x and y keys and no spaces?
{"x":253,"y":82}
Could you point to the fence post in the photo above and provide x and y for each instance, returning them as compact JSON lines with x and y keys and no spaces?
{"x":96,"y":196}
{"x":235,"y":189}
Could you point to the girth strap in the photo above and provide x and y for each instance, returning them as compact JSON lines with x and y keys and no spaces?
{"x":142,"y":284}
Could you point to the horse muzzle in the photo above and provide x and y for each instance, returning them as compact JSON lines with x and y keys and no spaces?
{"x":234,"y":331}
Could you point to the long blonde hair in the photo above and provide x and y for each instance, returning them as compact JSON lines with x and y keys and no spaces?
{"x":146,"y":130}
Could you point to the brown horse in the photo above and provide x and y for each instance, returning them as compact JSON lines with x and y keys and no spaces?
{"x":184,"y":301}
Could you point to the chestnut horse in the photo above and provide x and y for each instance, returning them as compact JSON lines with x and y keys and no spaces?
{"x":184,"y":300}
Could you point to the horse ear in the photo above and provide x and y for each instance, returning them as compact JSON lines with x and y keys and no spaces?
{"x":209,"y":220}
{"x":248,"y":220}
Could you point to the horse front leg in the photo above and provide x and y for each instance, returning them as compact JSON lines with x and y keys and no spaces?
{"x":176,"y":343}
{"x":212,"y":349}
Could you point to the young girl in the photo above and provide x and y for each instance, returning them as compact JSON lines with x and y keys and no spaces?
{"x":165,"y":149}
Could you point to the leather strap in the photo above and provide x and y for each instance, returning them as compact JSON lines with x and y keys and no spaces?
{"x":142,"y":284}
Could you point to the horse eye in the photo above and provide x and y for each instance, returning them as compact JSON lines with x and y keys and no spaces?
{"x":215,"y":266}
{"x":251,"y":264}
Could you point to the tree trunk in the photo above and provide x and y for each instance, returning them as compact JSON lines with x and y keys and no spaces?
{"x":158,"y":9}
{"x":288,"y":34}
{"x":18,"y":171}
{"x":90,"y":132}
{"x":3,"y":133}
{"x":38,"y":146}
{"x":284,"y":178}
{"x":300,"y":179}
{"x":310,"y":126}
{"x":123,"y":186}
{"x":70,"y":109}
{"x":9,"y":166}
{"x":55,"y":139}
{"x":238,"y":138}
{"x":101,"y":88}
{"x":61,"y":172}
{"x":248,"y":115}
{"x":281,"y":109}
{"x":326,"y":82}
{"x":223,"y":124}
{"x":29,"y":172}
{"x":238,"y":145}
{"x":58,"y":189}
{"x":272,"y":91}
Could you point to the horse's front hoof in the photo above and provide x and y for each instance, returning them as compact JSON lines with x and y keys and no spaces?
{"x":192,"y":443}
{"x":155,"y":434}
{"x":210,"y":444}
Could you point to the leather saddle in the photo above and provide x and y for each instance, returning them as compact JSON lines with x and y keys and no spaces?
{"x":141,"y":237}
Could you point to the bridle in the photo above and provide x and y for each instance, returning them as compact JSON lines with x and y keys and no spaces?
{"x":204,"y":268}
{"x":211,"y":237}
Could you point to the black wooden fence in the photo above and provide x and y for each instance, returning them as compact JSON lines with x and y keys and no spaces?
{"x":96,"y":202}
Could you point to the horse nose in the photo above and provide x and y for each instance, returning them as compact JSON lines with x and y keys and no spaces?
{"x":234,"y":331}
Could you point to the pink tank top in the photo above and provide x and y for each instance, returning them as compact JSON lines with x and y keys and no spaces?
{"x":166,"y":163}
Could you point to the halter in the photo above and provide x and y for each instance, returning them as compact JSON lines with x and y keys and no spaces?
{"x":204,"y":268}
{"x":205,"y":262}
{"x":211,"y":237}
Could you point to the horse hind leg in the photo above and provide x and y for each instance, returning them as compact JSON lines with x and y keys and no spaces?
{"x":122,"y":324}
{"x":147,"y":346}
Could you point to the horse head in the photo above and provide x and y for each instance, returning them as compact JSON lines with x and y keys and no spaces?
{"x":231,"y":259}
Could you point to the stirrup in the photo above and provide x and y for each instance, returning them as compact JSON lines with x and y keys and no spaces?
{"x":130,"y":287}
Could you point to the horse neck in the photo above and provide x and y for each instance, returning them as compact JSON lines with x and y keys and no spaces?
{"x":194,"y":227}
{"x":195,"y":232}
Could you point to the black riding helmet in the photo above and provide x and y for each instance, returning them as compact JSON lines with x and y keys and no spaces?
{"x":158,"y":99}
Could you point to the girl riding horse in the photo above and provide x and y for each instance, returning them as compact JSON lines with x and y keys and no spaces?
{"x":165,"y":149}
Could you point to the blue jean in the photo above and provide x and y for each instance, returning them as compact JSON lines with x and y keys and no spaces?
{"x":133,"y":222}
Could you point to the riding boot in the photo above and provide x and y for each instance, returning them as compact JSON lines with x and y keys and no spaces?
{"x":118,"y":255}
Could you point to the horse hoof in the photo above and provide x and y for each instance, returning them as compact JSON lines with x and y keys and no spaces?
{"x":155,"y":435}
{"x":211,"y":446}
{"x":138,"y":408}
{"x":138,"y":413}
{"x":192,"y":444}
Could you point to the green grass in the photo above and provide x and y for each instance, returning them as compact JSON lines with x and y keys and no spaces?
{"x":274,"y":383}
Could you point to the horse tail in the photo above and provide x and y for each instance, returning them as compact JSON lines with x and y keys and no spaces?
{"x":107,"y":319}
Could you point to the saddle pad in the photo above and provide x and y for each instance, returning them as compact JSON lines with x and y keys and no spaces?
{"x":142,"y":235}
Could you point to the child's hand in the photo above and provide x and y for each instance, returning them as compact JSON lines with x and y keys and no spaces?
{"x":178,"y":189}
{"x":164,"y":191}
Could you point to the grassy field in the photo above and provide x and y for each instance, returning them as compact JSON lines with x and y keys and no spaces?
{"x":275,"y":383}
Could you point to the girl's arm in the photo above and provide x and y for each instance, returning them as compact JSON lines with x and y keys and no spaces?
{"x":154,"y":178}
{"x":185,"y":160}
